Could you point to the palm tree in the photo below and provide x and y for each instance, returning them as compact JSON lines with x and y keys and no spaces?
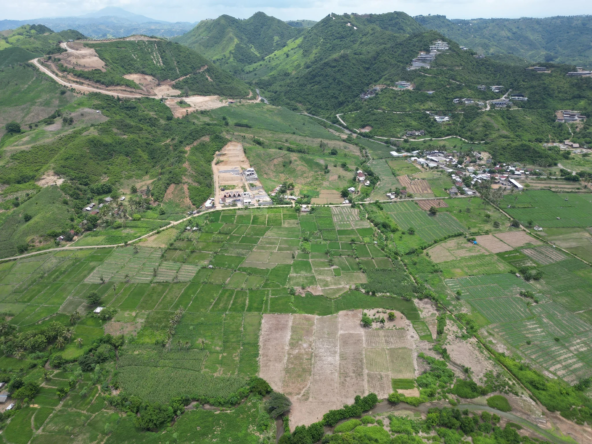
{"x":79,"y":341}
{"x":19,"y":354}
{"x":60,"y":342}
{"x":68,"y":334}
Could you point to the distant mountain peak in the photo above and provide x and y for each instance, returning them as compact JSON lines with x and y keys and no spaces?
{"x":112,"y":11}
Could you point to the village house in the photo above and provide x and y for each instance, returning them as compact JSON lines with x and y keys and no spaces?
{"x":403,"y":85}
{"x":415,"y":133}
{"x":361,"y":176}
{"x":501,"y":103}
{"x":439,"y":45}
{"x":250,"y":174}
{"x":519,"y":97}
{"x":442,"y":119}
{"x":570,"y":144}
{"x":482,"y":87}
{"x":496,"y":88}
{"x":570,"y":116}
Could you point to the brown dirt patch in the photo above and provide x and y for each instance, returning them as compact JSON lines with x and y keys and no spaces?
{"x":328,"y":197}
{"x":50,"y":178}
{"x":517,"y":238}
{"x":80,"y":57}
{"x":273,"y":347}
{"x":427,"y":204}
{"x":122,"y":328}
{"x":415,"y":186}
{"x":454,"y":249}
{"x":323,"y":362}
{"x":492,"y":244}
{"x":366,"y":129}
{"x":197,"y":103}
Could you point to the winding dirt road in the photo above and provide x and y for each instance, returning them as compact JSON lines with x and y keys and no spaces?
{"x":81,"y":88}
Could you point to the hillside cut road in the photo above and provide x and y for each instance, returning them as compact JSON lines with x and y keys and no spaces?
{"x":81,"y":88}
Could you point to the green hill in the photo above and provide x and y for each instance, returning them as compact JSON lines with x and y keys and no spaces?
{"x":163,"y":60}
{"x":552,"y":39}
{"x":234,"y":43}
{"x":30,"y":41}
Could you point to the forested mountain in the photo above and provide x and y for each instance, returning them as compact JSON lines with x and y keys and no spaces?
{"x":30,"y":41}
{"x":234,"y":43}
{"x":552,"y":39}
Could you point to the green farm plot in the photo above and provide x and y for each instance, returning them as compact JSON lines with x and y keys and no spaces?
{"x":388,"y":181}
{"x":548,"y":209}
{"x":499,"y":310}
{"x":489,"y":286}
{"x":474,"y":266}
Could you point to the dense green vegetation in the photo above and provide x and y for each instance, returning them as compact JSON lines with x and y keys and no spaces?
{"x":539,"y":40}
{"x":234,"y":43}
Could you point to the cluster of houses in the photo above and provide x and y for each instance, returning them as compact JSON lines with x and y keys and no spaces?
{"x":424,"y":59}
{"x":236,"y":197}
{"x":570,"y":116}
{"x":92,"y":208}
{"x":579,"y":72}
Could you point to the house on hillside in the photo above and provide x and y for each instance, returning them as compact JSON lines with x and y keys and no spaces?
{"x":570,"y":116}
{"x":482,"y":88}
{"x":415,"y":133}
{"x":442,"y":119}
{"x":539,"y":69}
{"x":501,"y":103}
{"x":439,"y":45}
{"x":579,"y":72}
{"x":496,"y":88}
{"x":403,"y":85}
{"x":361,"y":176}
{"x":519,"y":97}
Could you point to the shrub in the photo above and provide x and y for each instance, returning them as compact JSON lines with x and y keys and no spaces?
{"x":468,"y":389}
{"x":278,"y":405}
{"x":348,"y":426}
{"x":499,"y":402}
{"x":13,"y":128}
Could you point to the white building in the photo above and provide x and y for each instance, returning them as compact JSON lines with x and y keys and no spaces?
{"x":516,"y":184}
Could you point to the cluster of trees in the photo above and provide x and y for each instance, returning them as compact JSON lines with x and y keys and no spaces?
{"x":37,"y":340}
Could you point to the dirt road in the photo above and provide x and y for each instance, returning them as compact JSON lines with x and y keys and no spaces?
{"x":81,"y":88}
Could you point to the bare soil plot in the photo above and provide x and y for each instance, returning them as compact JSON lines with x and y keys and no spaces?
{"x":323,"y":362}
{"x":328,"y":197}
{"x":454,"y":249}
{"x":517,"y":239}
{"x":80,"y":57}
{"x":493,"y":244}
{"x":415,"y":186}
{"x":544,"y":255}
{"x":427,"y":204}
{"x":197,"y":103}
{"x":50,"y":178}
{"x":273,"y":348}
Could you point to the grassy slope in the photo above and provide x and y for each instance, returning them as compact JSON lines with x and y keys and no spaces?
{"x":48,"y":211}
{"x":28,"y":96}
{"x":33,"y":41}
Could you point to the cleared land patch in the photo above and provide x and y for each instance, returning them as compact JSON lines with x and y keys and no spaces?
{"x":334,"y":358}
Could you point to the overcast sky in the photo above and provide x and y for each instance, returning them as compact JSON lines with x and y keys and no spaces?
{"x":195,"y":10}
